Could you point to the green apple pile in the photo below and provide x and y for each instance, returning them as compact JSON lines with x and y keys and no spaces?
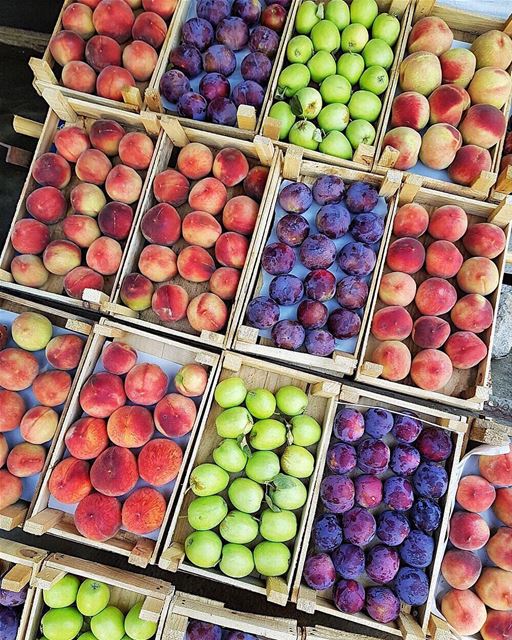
{"x":328,"y":95}
{"x":260,"y":467}
{"x":81,"y":610}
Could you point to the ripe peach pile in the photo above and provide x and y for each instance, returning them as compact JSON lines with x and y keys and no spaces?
{"x":116,"y":462}
{"x":119,"y":40}
{"x":108,"y":163}
{"x":36,"y":373}
{"x":478,"y":565}
{"x":200,"y":273}
{"x":449,"y":112}
{"x":452,"y":263}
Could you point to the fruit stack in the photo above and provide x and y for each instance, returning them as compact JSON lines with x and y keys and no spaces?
{"x":476,"y":594}
{"x":37,"y":364}
{"x":118,"y":39}
{"x":54,"y":245}
{"x":338,"y":70}
{"x":372,"y":539}
{"x":188,"y":287}
{"x":11,"y":607}
{"x":225,"y":58}
{"x":449,"y":111}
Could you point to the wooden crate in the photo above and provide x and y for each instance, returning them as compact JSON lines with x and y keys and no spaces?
{"x":407,"y":626}
{"x":140,"y":550}
{"x":15,"y":515}
{"x":126,"y":590}
{"x":466,"y":27}
{"x":256,"y":373}
{"x":260,"y":151}
{"x":246,"y":338}
{"x":80,"y":114}
{"x":22,"y":563}
{"x":364,"y":155}
{"x":248,"y":120}
{"x":468,"y":389}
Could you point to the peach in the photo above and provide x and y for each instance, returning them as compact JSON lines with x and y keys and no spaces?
{"x":484,"y":125}
{"x":87,"y":199}
{"x":435,"y":297}
{"x":209,"y":194}
{"x":31,"y":331}
{"x":195,"y":264}
{"x":201,"y":228}
{"x":71,"y":142}
{"x":161,"y":224}
{"x":391,"y":323}
{"x":410,"y":220}
{"x":146,"y":384}
{"x":113,"y":18}
{"x":410,"y":109}
{"x":499,"y":548}
{"x":470,"y":160}
{"x":106,"y":136}
{"x":408,"y":142}
{"x":65,"y":351}
{"x":431,"y":369}
{"x":112,"y":81}
{"x":39,"y":424}
{"x":430,"y":332}
{"x":502,"y":506}
{"x":86,"y":438}
{"x":30,"y":236}
{"x":130,"y":426}
{"x":115,"y":220}
{"x":240,"y":215}
{"x":102,"y":52}
{"x":256,"y":182}
{"x":191,"y":380}
{"x":12,"y":407}
{"x":447,"y":104}
{"x":478,"y":275}
{"x":4,"y":450}
{"x":140,"y":59}
{"x":461,"y":569}
{"x":224,"y":282}
{"x":51,"y":388}
{"x":443,"y":259}
{"x":136,"y":150}
{"x":18,"y":370}
{"x":143,"y":511}
{"x":231,"y":250}
{"x":118,"y":358}
{"x":29,"y":271}
{"x":458,"y":66}
{"x":230,"y":166}
{"x":90,"y":3}
{"x":207,"y":312}
{"x":60,"y":256}
{"x":195,"y":161}
{"x":93,"y":166}
{"x":123,"y":184}
{"x":102,"y":394}
{"x":472,"y":313}
{"x":150,"y":28}
{"x":26,"y":459}
{"x":395,"y":359}
{"x":430,"y":34}
{"x":439,"y":146}
{"x":159,"y":461}
{"x":81,"y":278}
{"x":69,"y":482}
{"x":493,"y":49}
{"x":448,"y":222}
{"x":465,"y":349}
{"x":494,"y":588}
{"x":104,"y":255}
{"x":484,"y":239}
{"x":497,"y":469}
{"x":98,"y":517}
{"x":82,"y":230}
{"x":171,"y":186}
{"x":170,"y":303}
{"x":475,"y":494}
{"x":397,"y":289}
{"x":136,"y":292}
{"x":79,"y":76}
{"x":66,"y":46}
{"x":164,"y":8}
{"x":464,"y":611}
{"x":114,"y":472}
{"x":134,"y":4}
{"x":77,"y":17}
{"x":406,"y":255}
{"x":11,"y":489}
{"x":420,"y":72}
{"x":157,"y":263}
{"x":468,"y":531}
{"x":175,"y":415}
{"x":47,"y":205}
{"x":490,"y":86}
{"x":51,"y":170}
{"x":497,"y":625}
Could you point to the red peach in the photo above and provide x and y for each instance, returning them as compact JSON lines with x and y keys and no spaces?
{"x":175,"y":415}
{"x":224,"y":282}
{"x":71,"y":142}
{"x":391,"y":323}
{"x":465,"y":349}
{"x":146,"y":384}
{"x":411,"y":220}
{"x":172,"y":187}
{"x":439,"y":145}
{"x":231,"y":250}
{"x":468,"y":531}
{"x":79,"y":76}
{"x":201,"y":228}
{"x":410,"y":109}
{"x":490,"y":87}
{"x":447,"y":104}
{"x":431,"y":369}
{"x":104,"y":256}
{"x":102,"y":52}
{"x":472,"y":313}
{"x":191,"y":380}
{"x":468,"y":164}
{"x":87,"y":199}
{"x":112,"y":81}
{"x":51,"y":170}
{"x":64,"y":351}
{"x":115,"y":220}
{"x":11,"y":489}
{"x":464,"y":611}
{"x":406,"y":255}
{"x":435,"y":297}
{"x":255,"y":182}
{"x":77,"y":17}
{"x":164,"y":8}
{"x":81,"y":278}
{"x":69,"y":482}
{"x":195,"y":160}
{"x":30,"y":236}
{"x":61,"y":256}
{"x":47,"y":205}
{"x":143,"y":511}
{"x":86,"y":438}
{"x":195,"y":264}
{"x":209,"y":194}
{"x":460,"y":568}
{"x":458,"y":66}
{"x":150,"y":28}
{"x":136,"y":292}
{"x":498,"y":623}
{"x":113,"y":18}
{"x":106,"y":136}
{"x":207,"y":312}
{"x":502,"y":506}
{"x":494,"y":588}
{"x":98,"y":517}
{"x":93,"y":166}
{"x":82,"y":230}
{"x":161,"y":224}
{"x":123,"y":184}
{"x":475,"y":494}
{"x":18,"y":370}
{"x":430,"y":332}
{"x":443,"y":259}
{"x":66,"y":46}
{"x":159,"y":461}
{"x":29,"y":271}
{"x":90,"y":3}
{"x":118,"y":358}
{"x":25,"y":460}
{"x":430,"y":34}
{"x":395,"y":359}
{"x":170,"y":303}
{"x":407,"y":142}
{"x":12,"y":407}
{"x":499,"y":548}
{"x":478,"y":275}
{"x":114,"y":472}
{"x":448,"y":223}
{"x":51,"y":388}
{"x":484,"y":239}
{"x":130,"y":426}
{"x":230,"y":166}
{"x":4,"y":450}
{"x":157,"y":263}
{"x":397,"y":288}
{"x":497,"y":469}
{"x":240,"y":215}
{"x":140,"y":59}
{"x":484,"y":125}
{"x":102,"y":394}
{"x":136,"y":150}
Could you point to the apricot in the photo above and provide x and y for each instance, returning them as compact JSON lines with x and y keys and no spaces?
{"x":61,"y":256}
{"x":30,"y":236}
{"x":439,"y":145}
{"x":11,"y":489}
{"x":458,"y":66}
{"x":497,"y":625}
{"x":113,"y":18}
{"x":195,"y":264}
{"x":465,"y":349}
{"x":430,"y":34}
{"x":123,"y":184}
{"x":497,"y":469}
{"x":224,"y":282}
{"x":490,"y":86}
{"x":391,"y":323}
{"x":112,"y":81}
{"x":104,"y":255}
{"x":170,"y":303}
{"x":499,"y":548}
{"x":136,"y":150}
{"x":494,"y":588}
{"x":431,"y":369}
{"x":157,"y":263}
{"x":448,"y":222}
{"x":159,"y":461}
{"x":115,"y":220}
{"x":51,"y":388}
{"x":502,"y":506}
{"x":435,"y":297}
{"x":66,"y":46}
{"x":175,"y":415}
{"x":118,"y":357}
{"x":443,"y":259}
{"x":71,"y":142}
{"x":39,"y":424}
{"x":430,"y":332}
{"x":130,"y":426}
{"x":93,"y":166}
{"x":472,"y":313}
{"x":106,"y":136}
{"x":461,"y":569}
{"x":172,"y":187}
{"x":475,"y":494}
{"x":18,"y":370}
{"x":136,"y":291}
{"x":86,"y":438}
{"x":421,"y":72}
{"x":468,"y":531}
{"x":51,"y":170}
{"x":484,"y":125}
{"x":207,"y":312}
{"x":411,"y":220}
{"x":101,"y":52}
{"x":464,"y":611}
{"x":164,"y":8}
{"x":478,"y":275}
{"x":82,"y":230}
{"x":469,"y":162}
{"x":230,"y":166}
{"x":209,"y":194}
{"x":81,"y":278}
{"x":102,"y":394}
{"x":12,"y":407}
{"x":447,"y":104}
{"x":87,"y":199}
{"x":485,"y":240}
{"x":146,"y":384}
{"x":161,"y":224}
{"x":29,"y":271}
{"x":407,"y":142}
{"x":114,"y":472}
{"x":26,"y":459}
{"x":69,"y":482}
{"x":150,"y":28}
{"x":195,"y":161}
{"x":240,"y":215}
{"x":231,"y":249}
{"x":98,"y":517}
{"x":406,"y":255}
{"x":47,"y":205}
{"x":410,"y":109}
{"x":140,"y":58}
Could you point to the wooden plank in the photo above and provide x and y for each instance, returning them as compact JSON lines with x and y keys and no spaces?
{"x":27,"y":127}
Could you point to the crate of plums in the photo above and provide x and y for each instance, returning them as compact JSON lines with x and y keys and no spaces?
{"x":334,"y":78}
{"x":372,"y":545}
{"x":219,"y":63}
{"x":313,"y":279}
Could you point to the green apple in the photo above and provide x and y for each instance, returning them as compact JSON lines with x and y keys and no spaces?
{"x":291,"y":400}
{"x":135,"y":627}
{"x":262,"y":466}
{"x":271,"y":558}
{"x":308,"y":15}
{"x":305,"y":430}
{"x":203,"y":548}
{"x":305,"y":134}
{"x":278,"y":526}
{"x":92,"y":597}
{"x":208,"y":479}
{"x":325,"y":36}
{"x":335,"y":88}
{"x":299,"y":49}
{"x":63,"y":623}
{"x":333,"y":117}
{"x":386,"y":27}
{"x":337,"y":11}
{"x":364,"y":12}
{"x":350,"y":66}
{"x":261,"y":403}
{"x":88,"y":635}
{"x":108,"y":624}
{"x":291,"y":79}
{"x":306,"y":103}
{"x":374,"y":79}
{"x":321,"y":65}
{"x":63,"y":593}
{"x":354,"y":38}
{"x":236,"y":560}
{"x":282,"y":112}
{"x":230,"y":392}
{"x":239,"y":527}
{"x":289,"y":493}
{"x":230,"y":456}
{"x":336,"y":144}
{"x":378,"y":53}
{"x":233,"y":422}
{"x":360,"y":132}
{"x":207,"y":512}
{"x":364,"y":105}
{"x":297,"y":461}
{"x":245,"y":495}
{"x":267,"y":435}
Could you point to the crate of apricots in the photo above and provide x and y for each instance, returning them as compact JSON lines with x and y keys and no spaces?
{"x":117,"y":465}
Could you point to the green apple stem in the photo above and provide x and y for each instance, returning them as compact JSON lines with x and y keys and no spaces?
{"x":320,"y":11}
{"x":319,"y":135}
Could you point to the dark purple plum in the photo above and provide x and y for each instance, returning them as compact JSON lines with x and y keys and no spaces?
{"x":13,"y":598}
{"x":248,"y":92}
{"x":348,"y":561}
{"x":219,"y":59}
{"x":265,"y":41}
{"x":434,"y":444}
{"x":430,"y":480}
{"x":317,"y":252}
{"x":344,"y":323}
{"x":357,"y":259}
{"x":373,"y":456}
{"x":288,"y":334}
{"x":198,"y":32}
{"x":426,"y":514}
{"x":319,"y":342}
{"x":233,"y":33}
{"x":348,"y":425}
{"x":188,"y":59}
{"x":382,"y":563}
{"x":320,"y":285}
{"x":319,"y":572}
{"x":378,"y":422}
{"x":411,"y":586}
{"x":368,"y":491}
{"x":327,"y":532}
{"x":381,"y":604}
{"x":312,"y":314}
{"x":213,"y":10}
{"x":256,"y":67}
{"x":292,"y":229}
{"x":222,"y":111}
{"x":198,"y":630}
{"x":405,"y":459}
{"x":240,"y":635}
{"x":192,"y":105}
{"x":214,"y":85}
{"x":417,"y":549}
{"x":406,"y":428}
{"x":296,"y":197}
{"x":328,"y":190}
{"x":392,"y":528}
{"x":341,"y":458}
{"x":337,"y":493}
{"x":173,"y":84}
{"x":398,"y":493}
{"x":358,"y":526}
{"x":278,"y":258}
{"x":367,"y":227}
{"x":286,"y":289}
{"x":262,"y":313}
{"x":348,"y":596}
{"x":248,"y":10}
{"x":361,"y":197}
{"x":333,"y":220}
{"x":284,"y":3}
{"x":9,"y":623}
{"x":352,"y":292}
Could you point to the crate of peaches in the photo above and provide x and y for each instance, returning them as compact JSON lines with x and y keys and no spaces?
{"x":116,"y":468}
{"x":41,"y":353}
{"x":374,"y":535}
{"x":104,"y":51}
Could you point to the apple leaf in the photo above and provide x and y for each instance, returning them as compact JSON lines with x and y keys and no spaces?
{"x":270,"y":504}
{"x":281,"y":481}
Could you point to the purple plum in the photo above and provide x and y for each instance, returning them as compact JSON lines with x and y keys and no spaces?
{"x":198,"y":32}
{"x":320,"y":285}
{"x":13,"y":598}
{"x":288,"y":334}
{"x":361,"y":197}
{"x":248,"y":10}
{"x":372,"y":456}
{"x":405,"y":459}
{"x":352,"y":292}
{"x":265,"y":41}
{"x":367,"y":227}
{"x":333,"y":220}
{"x":337,"y":493}
{"x":292,"y":229}
{"x":187,"y":59}
{"x":430,"y":480}
{"x":213,"y":10}
{"x":411,"y":586}
{"x":173,"y":84}
{"x":320,"y":342}
{"x":296,"y":197}
{"x":348,"y":561}
{"x":426,"y":514}
{"x":434,"y":444}
{"x":381,"y":604}
{"x":348,"y":596}
{"x":278,"y":258}
{"x":368,"y":491}
{"x":357,"y":259}
{"x":358,"y":526}
{"x":233,"y":33}
{"x":219,"y":59}
{"x":262,"y":313}
{"x":398,"y":493}
{"x":222,"y":111}
{"x":341,"y":458}
{"x":9,"y":623}
{"x":198,"y":630}
{"x":248,"y":92}
{"x":417,"y":549}
{"x":319,"y":572}
{"x":382,"y":563}
{"x":240,"y":635}
{"x":327,"y":532}
{"x":343,"y":324}
{"x":392,"y":528}
{"x":348,"y":425}
{"x":256,"y":67}
{"x":286,"y":289}
{"x":317,"y":252}
{"x":378,"y":422}
{"x":283,"y":3}
{"x":312,"y":314}
{"x":214,"y":85}
{"x":406,"y":428}
{"x":328,"y":190}
{"x":192,"y":105}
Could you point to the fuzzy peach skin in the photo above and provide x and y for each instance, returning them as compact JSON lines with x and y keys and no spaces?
{"x":79,"y":76}
{"x":406,"y":255}
{"x":458,"y":66}
{"x":39,"y":424}
{"x":191,"y":380}
{"x":98,"y":517}
{"x":18,"y":369}
{"x":472,"y":313}
{"x":159,"y":461}
{"x":485,"y":240}
{"x":475,"y":494}
{"x":468,"y":531}
{"x":11,"y":489}
{"x":439,"y":145}
{"x":411,"y":220}
{"x":161,"y":224}
{"x":494,"y":588}
{"x":395,"y":358}
{"x":136,"y":291}
{"x":62,"y":256}
{"x":143,"y":511}
{"x":130,"y":426}
{"x":69,"y":482}
{"x":106,"y":135}
{"x":104,"y":256}
{"x":410,"y":109}
{"x":146,"y":384}
{"x":175,"y":415}
{"x":12,"y":408}
{"x":448,"y":222}
{"x":158,"y":263}
{"x":447,"y":104}
{"x":224,"y":282}
{"x":490,"y":86}
{"x":483,"y":125}
{"x":391,"y":323}
{"x":443,"y":259}
{"x":86,"y":438}
{"x":136,"y":150}
{"x":30,"y":236}
{"x":26,"y":459}
{"x":66,"y":46}
{"x":420,"y":71}
{"x":93,"y":166}
{"x":430,"y":332}
{"x":170,"y":302}
{"x":112,"y":81}
{"x":87,"y":199}
{"x":150,"y":28}
{"x":502,"y":506}
{"x":51,"y":170}
{"x":430,"y":34}
{"x":101,"y":52}
{"x":140,"y":58}
{"x":195,"y":161}
{"x":464,"y":611}
{"x":478,"y":275}
{"x":114,"y":18}
{"x":435,"y":297}
{"x":207,"y":312}
{"x":46,"y":204}
{"x":81,"y":278}
{"x":29,"y":271}
{"x":82,"y":230}
{"x":71,"y":142}
{"x":172,"y":187}
{"x":51,"y":388}
{"x":123,"y":184}
{"x":118,"y":358}
{"x":461,"y":569}
{"x":497,"y":625}
{"x":195,"y":264}
{"x":407,"y":141}
{"x":102,"y":394}
{"x":499,"y":548}
{"x":465,"y":349}
{"x":231,"y":249}
{"x":470,"y":160}
{"x":114,"y":472}
{"x":201,"y":229}
{"x":240,"y":215}
{"x":497,"y":469}
{"x":230,"y":166}
{"x":209,"y":194}
{"x":431,"y":369}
